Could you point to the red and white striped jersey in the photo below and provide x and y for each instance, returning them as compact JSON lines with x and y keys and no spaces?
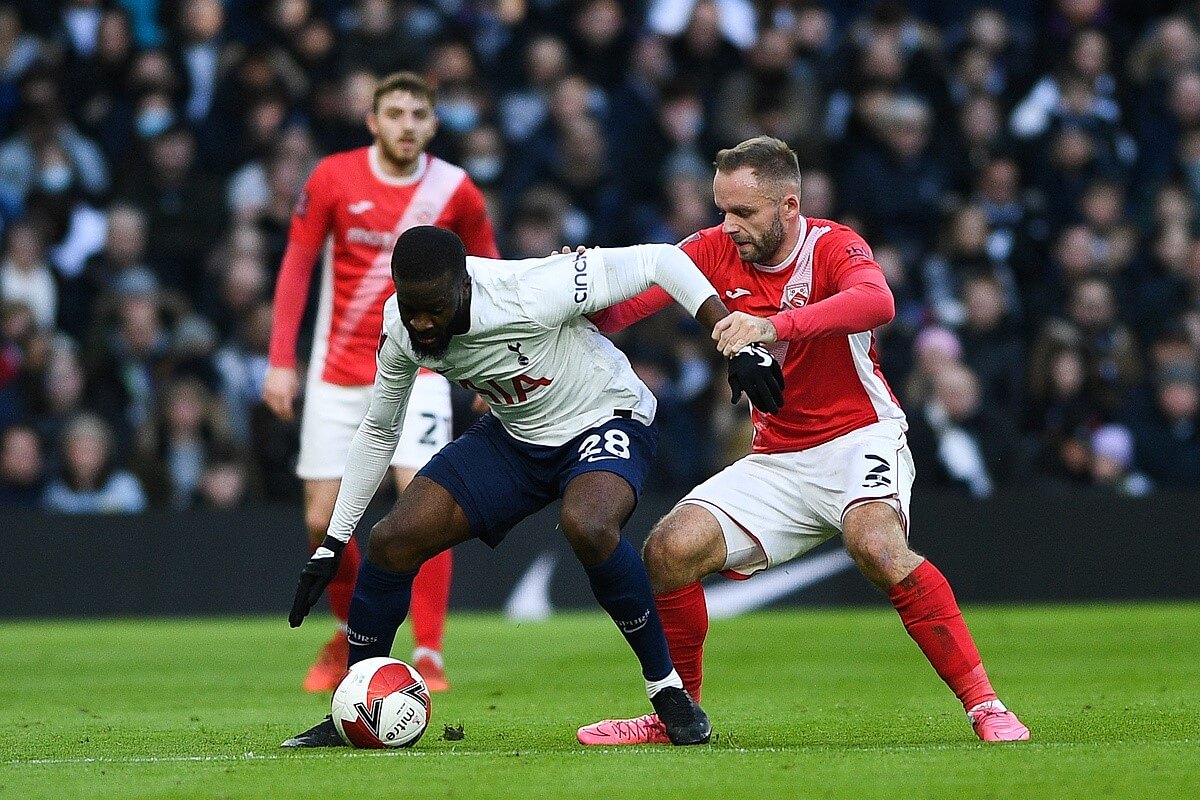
{"x":833,"y":384}
{"x":354,"y":210}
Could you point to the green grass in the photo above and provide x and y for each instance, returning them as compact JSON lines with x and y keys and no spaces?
{"x":831,"y":703}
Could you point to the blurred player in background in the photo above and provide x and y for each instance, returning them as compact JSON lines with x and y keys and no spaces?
{"x":569,"y":420}
{"x":353,"y":207}
{"x":833,"y":460}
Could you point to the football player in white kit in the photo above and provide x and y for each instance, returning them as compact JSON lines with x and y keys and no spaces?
{"x":569,"y":420}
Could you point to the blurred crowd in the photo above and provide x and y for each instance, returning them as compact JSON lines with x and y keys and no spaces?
{"x":1027,"y":173}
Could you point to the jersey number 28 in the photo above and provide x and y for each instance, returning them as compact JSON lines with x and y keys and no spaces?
{"x":614,"y":444}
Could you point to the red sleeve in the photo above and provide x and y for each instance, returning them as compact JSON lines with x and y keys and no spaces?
{"x":624,"y":314}
{"x":614,"y":318}
{"x":306,"y":238}
{"x":291,"y":292}
{"x":862,"y":300}
{"x":472,"y":223}
{"x":314,"y":210}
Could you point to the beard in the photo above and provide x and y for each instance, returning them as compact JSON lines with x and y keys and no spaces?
{"x":460,"y":323}
{"x":393,"y":152}
{"x":768,"y":244}
{"x":435,"y":349}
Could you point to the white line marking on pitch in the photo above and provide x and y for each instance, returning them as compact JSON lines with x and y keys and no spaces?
{"x":590,"y":751}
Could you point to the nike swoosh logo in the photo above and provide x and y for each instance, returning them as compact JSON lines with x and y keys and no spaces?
{"x":601,"y":458}
{"x":734,"y":294}
{"x":322,"y":552}
{"x":361,"y":207}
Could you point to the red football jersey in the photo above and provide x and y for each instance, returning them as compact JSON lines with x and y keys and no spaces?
{"x":362,"y":211}
{"x":833,"y":384}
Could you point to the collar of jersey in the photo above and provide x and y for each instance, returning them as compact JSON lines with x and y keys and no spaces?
{"x":373,"y":160}
{"x":791,"y":259}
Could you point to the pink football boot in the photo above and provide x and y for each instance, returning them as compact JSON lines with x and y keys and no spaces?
{"x":995,"y":723}
{"x":640,"y":730}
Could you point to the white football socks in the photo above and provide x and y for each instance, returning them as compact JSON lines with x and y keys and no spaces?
{"x":654,"y":687}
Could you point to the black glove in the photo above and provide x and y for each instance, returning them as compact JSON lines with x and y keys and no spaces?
{"x":315,"y":576}
{"x":755,"y":371}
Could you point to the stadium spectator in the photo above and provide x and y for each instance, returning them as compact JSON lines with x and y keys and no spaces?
{"x":175,"y":446}
{"x":42,"y":124}
{"x":1112,"y":462}
{"x":1166,"y":425}
{"x":961,"y":442}
{"x":898,"y":189}
{"x":1114,"y":360}
{"x":934,"y":350}
{"x":767,"y":97}
{"x":992,"y":346}
{"x":225,"y":483}
{"x":21,"y":468}
{"x":183,"y":208}
{"x":88,"y":482}
{"x":1062,"y":414}
{"x":1079,"y":143}
{"x":24,"y":275}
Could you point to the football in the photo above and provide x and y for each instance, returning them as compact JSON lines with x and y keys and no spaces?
{"x":382,"y":702}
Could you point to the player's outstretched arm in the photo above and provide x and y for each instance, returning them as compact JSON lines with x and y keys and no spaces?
{"x":371,"y":452}
{"x":863,"y":302}
{"x":752,"y":370}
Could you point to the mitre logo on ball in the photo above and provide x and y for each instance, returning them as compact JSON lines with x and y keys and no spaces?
{"x":382,"y":702}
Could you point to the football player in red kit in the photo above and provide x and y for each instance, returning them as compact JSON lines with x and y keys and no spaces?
{"x":353,"y":208}
{"x":833,"y":460}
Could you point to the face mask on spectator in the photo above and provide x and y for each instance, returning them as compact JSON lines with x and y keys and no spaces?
{"x":459,"y":116}
{"x":55,"y":178}
{"x":484,"y":169}
{"x":153,"y":121}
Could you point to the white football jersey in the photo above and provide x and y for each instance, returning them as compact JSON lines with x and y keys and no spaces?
{"x":548,"y":374}
{"x":546,"y":371}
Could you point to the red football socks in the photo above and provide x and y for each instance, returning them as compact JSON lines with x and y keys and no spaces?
{"x":932,"y":618}
{"x":684,"y":616}
{"x":341,"y":588}
{"x":430,"y":599}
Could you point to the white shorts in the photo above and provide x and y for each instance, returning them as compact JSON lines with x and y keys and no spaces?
{"x":332,"y":414}
{"x":773,"y":507}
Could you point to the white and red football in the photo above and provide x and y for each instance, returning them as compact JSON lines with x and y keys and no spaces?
{"x":380,"y":703}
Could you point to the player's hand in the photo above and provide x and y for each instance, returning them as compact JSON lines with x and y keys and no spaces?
{"x":738,"y":330}
{"x":565,"y":249}
{"x":755,"y":371}
{"x":280,"y":388}
{"x":316,"y":575}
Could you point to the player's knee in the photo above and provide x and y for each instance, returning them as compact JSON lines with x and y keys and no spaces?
{"x":392,"y":546}
{"x":877,"y":545}
{"x":669,"y":558}
{"x":866,"y":550}
{"x":592,"y":536}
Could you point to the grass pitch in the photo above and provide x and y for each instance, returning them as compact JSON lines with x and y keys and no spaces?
{"x":830,"y":703}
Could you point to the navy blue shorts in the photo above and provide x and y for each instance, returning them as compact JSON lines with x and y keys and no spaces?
{"x":499,"y":481}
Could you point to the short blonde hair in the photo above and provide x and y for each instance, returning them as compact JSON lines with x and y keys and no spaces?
{"x":409,"y":82}
{"x":774,"y":164}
